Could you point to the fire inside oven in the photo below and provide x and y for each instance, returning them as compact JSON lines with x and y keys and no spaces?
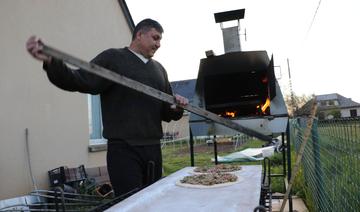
{"x":238,"y":84}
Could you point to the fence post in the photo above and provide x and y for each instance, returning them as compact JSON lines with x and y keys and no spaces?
{"x":320,"y":192}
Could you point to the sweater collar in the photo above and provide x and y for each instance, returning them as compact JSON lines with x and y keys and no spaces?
{"x":140,"y":56}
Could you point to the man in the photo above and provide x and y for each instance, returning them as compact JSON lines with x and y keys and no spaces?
{"x":131,"y":120}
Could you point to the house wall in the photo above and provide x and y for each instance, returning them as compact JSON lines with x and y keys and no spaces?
{"x":346,"y":112}
{"x":57,"y":121}
{"x":181,"y":126}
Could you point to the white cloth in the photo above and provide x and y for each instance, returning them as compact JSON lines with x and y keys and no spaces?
{"x":249,"y":154}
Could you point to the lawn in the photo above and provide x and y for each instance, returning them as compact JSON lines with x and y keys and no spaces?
{"x":177,"y":156}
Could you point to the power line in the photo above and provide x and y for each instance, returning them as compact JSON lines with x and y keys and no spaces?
{"x":313,"y":19}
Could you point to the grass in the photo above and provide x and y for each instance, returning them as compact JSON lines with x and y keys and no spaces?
{"x":177,"y":156}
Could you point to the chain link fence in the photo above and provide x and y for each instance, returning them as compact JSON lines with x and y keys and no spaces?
{"x":331,"y":163}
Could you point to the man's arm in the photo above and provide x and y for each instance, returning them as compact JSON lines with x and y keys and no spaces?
{"x":66,"y":78}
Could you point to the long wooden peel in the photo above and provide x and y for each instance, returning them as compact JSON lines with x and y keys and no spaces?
{"x":112,"y":76}
{"x":294,"y":172}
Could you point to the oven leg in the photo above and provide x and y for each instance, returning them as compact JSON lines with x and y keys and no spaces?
{"x":215,"y":150}
{"x":191,"y":141}
{"x":288,"y":149}
{"x":283,"y":148}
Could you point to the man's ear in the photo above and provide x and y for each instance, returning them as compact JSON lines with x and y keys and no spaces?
{"x":138,"y":34}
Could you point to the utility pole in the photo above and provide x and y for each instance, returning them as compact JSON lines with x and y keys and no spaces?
{"x":294,"y":107}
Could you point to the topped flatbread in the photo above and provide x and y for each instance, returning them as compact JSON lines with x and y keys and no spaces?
{"x":220,"y":168}
{"x":212,"y":180}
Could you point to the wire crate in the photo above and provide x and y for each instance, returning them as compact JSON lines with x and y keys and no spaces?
{"x":64,"y":175}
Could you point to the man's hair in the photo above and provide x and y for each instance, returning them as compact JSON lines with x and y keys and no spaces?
{"x":146,"y":25}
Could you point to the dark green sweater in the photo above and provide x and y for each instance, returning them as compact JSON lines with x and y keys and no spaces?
{"x":127,"y":114}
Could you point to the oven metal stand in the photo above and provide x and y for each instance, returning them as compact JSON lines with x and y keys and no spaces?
{"x":288,"y":149}
{"x":215,"y":150}
{"x":191,"y":141}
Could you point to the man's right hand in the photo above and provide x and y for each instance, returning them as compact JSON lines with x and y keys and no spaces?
{"x":34,"y":47}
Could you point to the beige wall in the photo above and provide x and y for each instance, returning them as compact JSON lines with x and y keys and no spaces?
{"x":57,"y":120}
{"x":181,"y":126}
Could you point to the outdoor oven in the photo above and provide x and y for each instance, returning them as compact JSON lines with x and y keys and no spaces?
{"x":238,"y":85}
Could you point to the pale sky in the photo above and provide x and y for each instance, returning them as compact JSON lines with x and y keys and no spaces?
{"x":323,"y":55}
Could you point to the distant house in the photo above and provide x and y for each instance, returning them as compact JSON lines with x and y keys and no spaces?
{"x":333,"y":106}
{"x":184,"y":88}
{"x":331,"y":102}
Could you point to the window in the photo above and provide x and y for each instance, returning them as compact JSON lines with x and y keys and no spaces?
{"x":97,"y":142}
{"x":95,"y":124}
{"x":353,"y":113}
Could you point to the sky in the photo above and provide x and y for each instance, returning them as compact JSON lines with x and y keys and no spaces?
{"x":320,"y":38}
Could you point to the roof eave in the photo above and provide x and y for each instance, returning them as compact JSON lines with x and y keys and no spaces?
{"x":127,"y":14}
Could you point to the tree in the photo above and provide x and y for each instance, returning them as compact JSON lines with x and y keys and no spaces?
{"x":294,"y":102}
{"x":335,"y":113}
{"x":321,"y":115}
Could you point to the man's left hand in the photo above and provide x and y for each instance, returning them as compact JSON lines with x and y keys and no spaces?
{"x":180,"y":100}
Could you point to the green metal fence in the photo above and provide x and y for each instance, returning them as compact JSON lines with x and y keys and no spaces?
{"x":331,"y":163}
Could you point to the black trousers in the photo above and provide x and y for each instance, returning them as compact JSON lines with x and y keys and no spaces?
{"x":133,"y":167}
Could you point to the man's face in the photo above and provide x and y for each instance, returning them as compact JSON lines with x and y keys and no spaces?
{"x":149,"y":42}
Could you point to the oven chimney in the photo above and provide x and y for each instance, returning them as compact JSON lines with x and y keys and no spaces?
{"x":230,"y":34}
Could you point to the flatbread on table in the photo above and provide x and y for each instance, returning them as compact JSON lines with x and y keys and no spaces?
{"x":219,"y":168}
{"x":212,"y":180}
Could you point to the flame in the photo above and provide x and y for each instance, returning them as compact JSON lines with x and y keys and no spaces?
{"x":230,"y":114}
{"x":266,"y":105}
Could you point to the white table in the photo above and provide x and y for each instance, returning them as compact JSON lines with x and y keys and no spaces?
{"x":166,"y":196}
